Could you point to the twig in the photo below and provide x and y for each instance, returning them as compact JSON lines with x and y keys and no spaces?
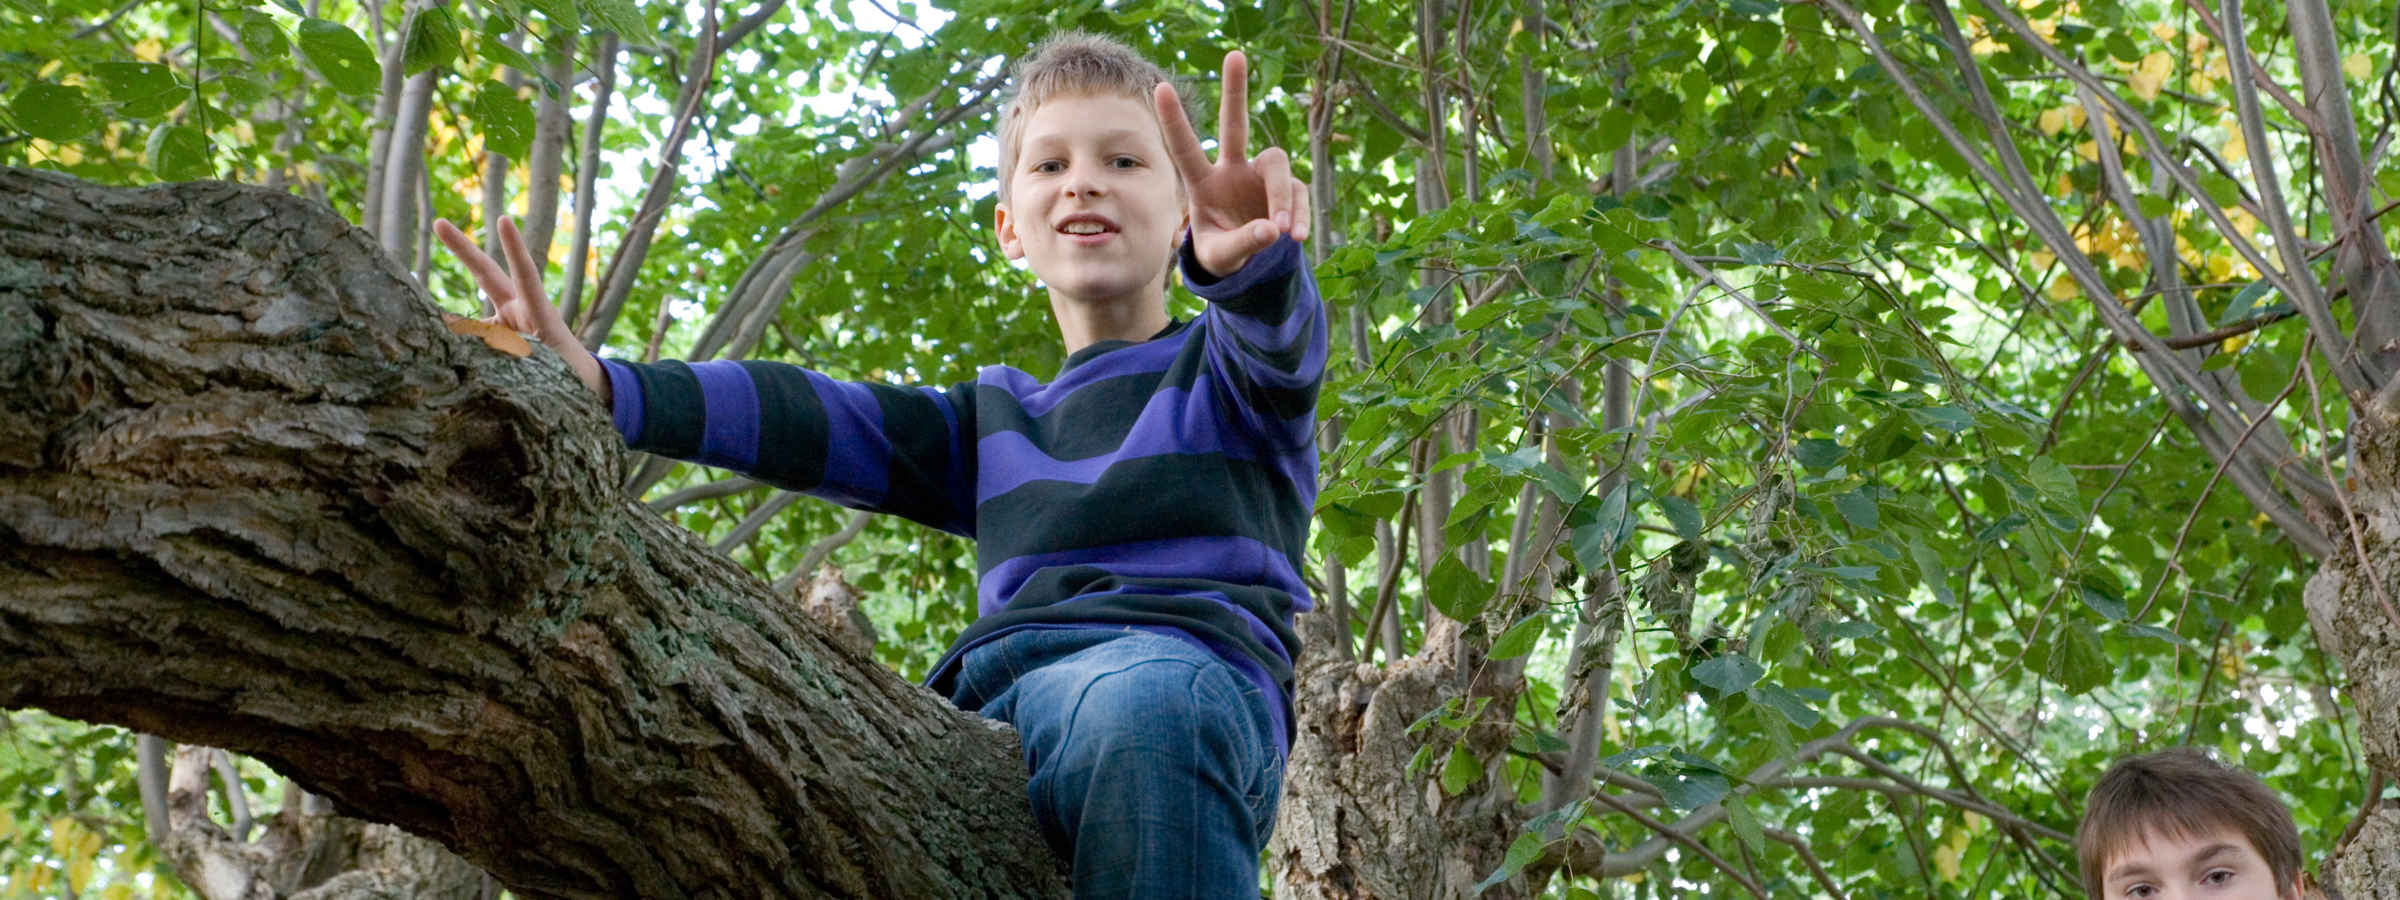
{"x":2219,"y":473}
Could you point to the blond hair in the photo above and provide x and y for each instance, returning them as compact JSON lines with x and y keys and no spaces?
{"x":1070,"y":63}
{"x":2181,"y":793}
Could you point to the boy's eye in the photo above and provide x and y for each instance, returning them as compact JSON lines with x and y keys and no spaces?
{"x":1125,"y":162}
{"x":1049,"y":167}
{"x":2139,"y":891}
{"x":2218,"y":876}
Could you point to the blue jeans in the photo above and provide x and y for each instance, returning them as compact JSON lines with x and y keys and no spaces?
{"x":1154,"y":770}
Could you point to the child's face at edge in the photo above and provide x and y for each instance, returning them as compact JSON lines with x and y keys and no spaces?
{"x":1097,"y":164}
{"x":2215,"y":865}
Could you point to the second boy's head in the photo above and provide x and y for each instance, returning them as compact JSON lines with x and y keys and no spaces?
{"x":2177,"y":824}
{"x":1088,"y":194}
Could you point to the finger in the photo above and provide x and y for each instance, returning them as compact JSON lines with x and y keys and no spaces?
{"x":1182,"y":145}
{"x":479,"y":264}
{"x":521,"y":266}
{"x":1233,"y":109}
{"x":1275,"y":175}
{"x":1302,"y":211}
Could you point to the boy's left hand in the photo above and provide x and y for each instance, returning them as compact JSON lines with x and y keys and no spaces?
{"x":1239,"y":205}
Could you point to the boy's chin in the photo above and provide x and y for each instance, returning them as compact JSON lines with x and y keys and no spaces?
{"x":1089,"y":290}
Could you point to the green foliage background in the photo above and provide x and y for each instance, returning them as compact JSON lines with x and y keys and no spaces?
{"x":1901,"y":474}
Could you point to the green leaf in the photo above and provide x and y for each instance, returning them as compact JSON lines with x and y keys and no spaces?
{"x":1521,"y":853}
{"x":1456,"y":591}
{"x":53,"y":112}
{"x":505,"y":121}
{"x":338,"y":54}
{"x":262,"y":37}
{"x":2107,"y":604}
{"x":1686,"y":791}
{"x":141,"y":90}
{"x":1818,"y":453}
{"x":1745,"y":824}
{"x":179,"y":153}
{"x":1520,"y":638}
{"x":1945,"y":417}
{"x":493,"y":49}
{"x":1460,"y":771}
{"x":2076,"y":660}
{"x":1758,"y":254}
{"x":1858,"y":509}
{"x":432,"y":41}
{"x":1728,"y":674}
{"x":619,"y":16}
{"x":1683,"y":515}
{"x":1791,"y":705}
{"x":2054,"y":481}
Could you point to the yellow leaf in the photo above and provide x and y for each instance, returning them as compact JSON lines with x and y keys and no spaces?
{"x":79,"y":873}
{"x":2062,"y":289}
{"x":2152,"y":74}
{"x":2054,"y":120}
{"x":2357,"y":66}
{"x":64,"y":835}
{"x":2065,"y":187}
{"x":51,"y":67}
{"x":2235,"y":343}
{"x":1945,"y":861}
{"x":8,"y":826}
{"x":149,"y":49}
{"x":2236,"y":148}
{"x":2040,"y":260}
{"x":2163,"y":31}
{"x":2088,"y":151}
{"x":117,"y":892}
{"x":39,"y":879}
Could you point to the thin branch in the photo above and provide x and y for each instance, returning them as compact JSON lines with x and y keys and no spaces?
{"x":818,"y":552}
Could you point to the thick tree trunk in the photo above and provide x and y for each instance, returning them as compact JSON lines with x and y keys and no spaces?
{"x":254,"y":495}
{"x":1356,"y":823}
{"x":2351,"y":602}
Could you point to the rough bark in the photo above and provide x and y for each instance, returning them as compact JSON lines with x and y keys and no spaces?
{"x":1356,"y":823}
{"x":299,"y":854}
{"x":2351,"y":604}
{"x":254,"y":495}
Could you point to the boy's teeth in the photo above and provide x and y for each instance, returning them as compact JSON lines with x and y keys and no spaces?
{"x":1084,"y":228}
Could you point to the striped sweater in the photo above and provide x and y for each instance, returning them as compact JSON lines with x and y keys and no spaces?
{"x":1164,"y":485}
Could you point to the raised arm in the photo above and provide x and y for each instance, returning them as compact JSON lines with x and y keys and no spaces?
{"x":1265,"y":323}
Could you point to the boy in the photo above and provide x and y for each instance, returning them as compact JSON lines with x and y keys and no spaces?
{"x":1140,"y":519}
{"x":2177,"y":824}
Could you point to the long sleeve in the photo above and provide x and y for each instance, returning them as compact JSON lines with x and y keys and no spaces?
{"x":867,"y":446}
{"x":1265,"y":328}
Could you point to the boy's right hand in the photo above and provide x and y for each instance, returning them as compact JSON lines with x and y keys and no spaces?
{"x":524,"y":307}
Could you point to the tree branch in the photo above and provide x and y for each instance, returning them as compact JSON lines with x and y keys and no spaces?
{"x":313,"y":525}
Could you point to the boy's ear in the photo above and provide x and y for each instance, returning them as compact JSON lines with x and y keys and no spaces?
{"x":1004,"y":227}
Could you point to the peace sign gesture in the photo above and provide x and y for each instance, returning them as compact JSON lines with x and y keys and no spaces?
{"x":1239,"y":205}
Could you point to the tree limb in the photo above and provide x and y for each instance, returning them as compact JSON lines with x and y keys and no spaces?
{"x":255,"y":495}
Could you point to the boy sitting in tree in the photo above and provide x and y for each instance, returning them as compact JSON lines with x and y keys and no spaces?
{"x":2177,"y":824}
{"x":1139,"y":520}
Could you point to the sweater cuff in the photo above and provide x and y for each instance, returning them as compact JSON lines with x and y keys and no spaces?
{"x":625,"y":399}
{"x":1277,"y":261}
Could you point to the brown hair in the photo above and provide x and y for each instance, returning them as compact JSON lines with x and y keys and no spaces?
{"x":1065,"y":64}
{"x":2182,"y":792}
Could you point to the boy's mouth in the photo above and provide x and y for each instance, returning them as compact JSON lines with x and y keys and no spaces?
{"x":1086,"y":227}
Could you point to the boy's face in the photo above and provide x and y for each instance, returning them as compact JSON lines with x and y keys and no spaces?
{"x":2215,"y":865}
{"x":1093,"y":202}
